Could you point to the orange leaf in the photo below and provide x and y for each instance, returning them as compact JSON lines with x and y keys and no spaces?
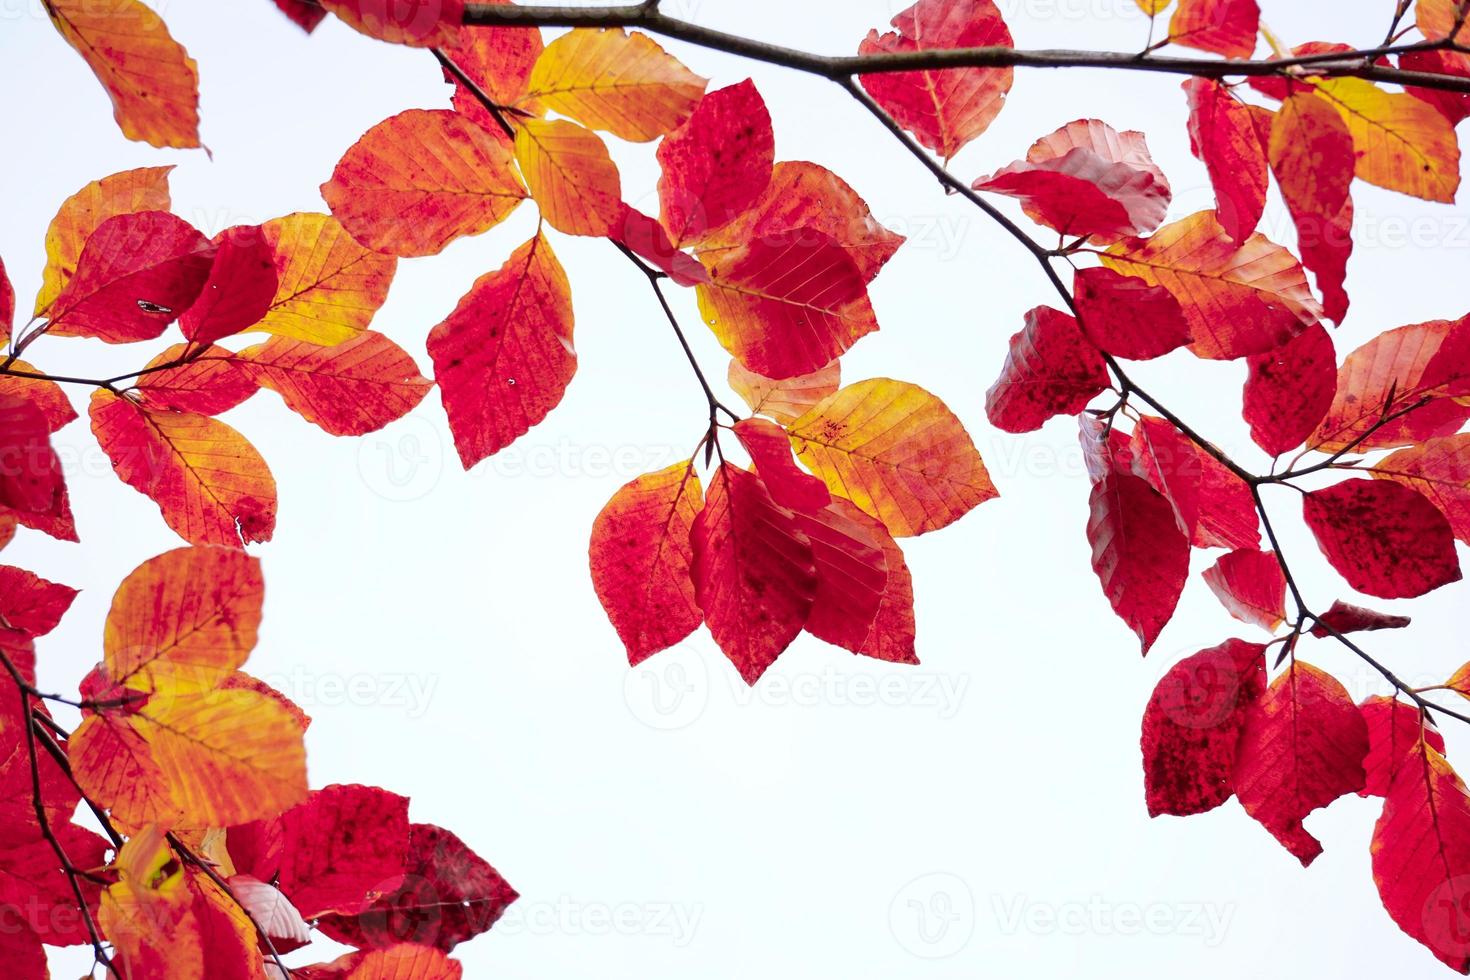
{"x":330,"y":286}
{"x":1440,"y":470}
{"x":897,"y":452}
{"x":208,"y":384}
{"x":504,"y":357}
{"x":80,"y":214}
{"x":1239,"y":300}
{"x":47,"y":396}
{"x":1303,"y":747}
{"x":640,"y":558}
{"x":753,"y":571}
{"x":785,"y":307}
{"x":152,"y":81}
{"x":788,"y":399}
{"x":401,"y":962}
{"x":418,"y":180}
{"x":208,"y":481}
{"x":499,"y":60}
{"x":624,"y":84}
{"x":943,"y":109}
{"x":570,"y":175}
{"x":351,"y":389}
{"x":1403,"y":143}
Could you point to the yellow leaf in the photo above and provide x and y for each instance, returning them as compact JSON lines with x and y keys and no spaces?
{"x":153,"y":83}
{"x":570,"y":175}
{"x":897,"y":452}
{"x":1404,"y":143}
{"x":123,"y":193}
{"x":622,"y":83}
{"x":330,"y":286}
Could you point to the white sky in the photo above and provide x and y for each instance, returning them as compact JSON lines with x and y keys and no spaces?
{"x":979,"y":816}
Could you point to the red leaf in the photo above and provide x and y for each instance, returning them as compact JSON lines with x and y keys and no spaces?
{"x":891,"y":636}
{"x":1394,"y":730}
{"x":350,"y":389}
{"x":1225,"y":27}
{"x":137,"y":273}
{"x":31,"y":604}
{"x":30,"y":472}
{"x":1052,"y":369}
{"x":306,"y":14}
{"x":240,"y":289}
{"x":754,"y":575}
{"x":770,"y":452}
{"x":46,"y":395}
{"x":1440,"y":470}
{"x":504,"y":357}
{"x":419,"y":23}
{"x":1289,"y":390}
{"x":849,"y":552}
{"x":1347,"y":618}
{"x":1454,"y":105}
{"x":943,"y":109}
{"x":210,"y":384}
{"x":449,"y":894}
{"x":338,"y":852}
{"x":1223,"y":136}
{"x":1252,"y":586}
{"x":645,"y":236}
{"x":1138,"y":552}
{"x":23,"y":954}
{"x":1127,"y":317}
{"x":640,"y":556}
{"x":1426,"y":889}
{"x":1087,"y":179}
{"x":1192,"y":726}
{"x":1313,"y":157}
{"x":7,"y":304}
{"x":499,"y":60}
{"x":1303,"y":747}
{"x":1214,"y":506}
{"x":1383,"y":538}
{"x":717,"y":164}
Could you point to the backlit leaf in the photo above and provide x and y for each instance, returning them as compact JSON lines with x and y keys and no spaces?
{"x":788,"y":399}
{"x":1289,"y":390}
{"x":1225,"y":27}
{"x":1403,"y":143}
{"x":240,"y":290}
{"x":1223,"y":137}
{"x":1127,"y":317}
{"x":1385,"y":539}
{"x":570,"y":175}
{"x":1440,"y":470}
{"x":1394,"y":731}
{"x":208,"y":384}
{"x":418,"y":23}
{"x":716,"y":165}
{"x":1251,"y":586}
{"x":1139,"y":554}
{"x":1051,"y":369}
{"x":330,"y":286}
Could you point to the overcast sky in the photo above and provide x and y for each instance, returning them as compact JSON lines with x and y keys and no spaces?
{"x":978,"y":816}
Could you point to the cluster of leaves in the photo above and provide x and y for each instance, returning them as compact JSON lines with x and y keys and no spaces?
{"x":780,"y":256}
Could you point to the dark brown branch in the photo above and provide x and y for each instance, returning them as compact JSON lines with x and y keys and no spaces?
{"x":1358,"y":64}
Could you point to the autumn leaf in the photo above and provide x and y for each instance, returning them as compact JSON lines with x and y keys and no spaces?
{"x":804,"y":200}
{"x":34,"y":891}
{"x":897,"y":452}
{"x":753,"y":570}
{"x":1223,"y":137}
{"x":1385,"y":539}
{"x":1439,"y":470}
{"x":504,"y":357}
{"x":786,"y":307}
{"x":337,"y":852}
{"x":1381,"y":385}
{"x":152,"y":81}
{"x":1303,"y":747}
{"x":47,"y":396}
{"x":1344,"y":617}
{"x":1139,"y":553}
{"x":405,"y":961}
{"x":1192,"y":726}
{"x":1226,"y":27}
{"x":645,"y":237}
{"x":1127,"y":317}
{"x":621,"y":83}
{"x":1239,"y":300}
{"x":209,"y":382}
{"x":891,"y":636}
{"x":305,"y":14}
{"x":448,"y":895}
{"x":421,"y":179}
{"x":30,"y":472}
{"x":329,"y":286}
{"x":81,"y":214}
{"x":1403,"y":143}
{"x":770,"y":455}
{"x":640,"y":558}
{"x":716,"y":165}
{"x":350,"y":389}
{"x":1289,"y":390}
{"x":31,"y":604}
{"x":1394,"y":733}
{"x":418,"y":23}
{"x":136,"y":274}
{"x":944,"y":110}
{"x":850,"y":554}
{"x":1214,"y":507}
{"x":1251,"y":586}
{"x":1088,"y":180}
{"x":787,"y":399}
{"x":1051,"y":369}
{"x":499,"y":60}
{"x":210,"y":484}
{"x":1423,"y":888}
{"x":570,"y":175}
{"x":240,"y":290}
